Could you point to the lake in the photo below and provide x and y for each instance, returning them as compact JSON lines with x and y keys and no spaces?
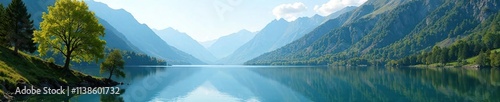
{"x":234,"y":83}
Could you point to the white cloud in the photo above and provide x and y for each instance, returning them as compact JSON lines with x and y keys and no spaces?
{"x":289,"y":12}
{"x":335,"y":5}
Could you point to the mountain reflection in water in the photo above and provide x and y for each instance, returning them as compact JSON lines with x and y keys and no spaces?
{"x":306,"y":83}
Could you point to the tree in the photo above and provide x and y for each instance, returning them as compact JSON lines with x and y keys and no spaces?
{"x":495,"y":59}
{"x":71,"y":29}
{"x":19,"y":27}
{"x":436,"y":52}
{"x":463,"y":49}
{"x":482,"y":59}
{"x":113,"y":64}
{"x":443,"y":56}
{"x":3,"y":19}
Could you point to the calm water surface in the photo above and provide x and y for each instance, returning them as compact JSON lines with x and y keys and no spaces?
{"x":221,"y":83}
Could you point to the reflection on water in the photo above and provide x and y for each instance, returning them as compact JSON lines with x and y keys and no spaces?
{"x":292,"y":83}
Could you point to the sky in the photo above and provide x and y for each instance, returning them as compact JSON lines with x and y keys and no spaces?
{"x":206,"y":20}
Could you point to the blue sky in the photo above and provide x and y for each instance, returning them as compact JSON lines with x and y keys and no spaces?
{"x":206,"y":20}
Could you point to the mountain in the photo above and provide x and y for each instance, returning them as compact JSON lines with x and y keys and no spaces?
{"x":381,"y":30}
{"x":338,"y":13}
{"x":185,"y":43}
{"x":276,"y":34}
{"x":209,"y":43}
{"x":113,"y":37}
{"x":140,"y":35}
{"x":226,"y":45}
{"x":34,"y":7}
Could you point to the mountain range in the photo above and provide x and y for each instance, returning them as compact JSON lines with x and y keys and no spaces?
{"x":226,"y":45}
{"x":207,"y":44}
{"x":381,"y":30}
{"x":185,"y":43}
{"x":373,"y":33}
{"x":276,"y":34}
{"x":140,"y":35}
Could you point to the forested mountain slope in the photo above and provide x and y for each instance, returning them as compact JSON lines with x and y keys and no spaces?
{"x":380,"y":30}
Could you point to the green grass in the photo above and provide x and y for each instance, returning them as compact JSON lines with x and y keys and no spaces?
{"x":497,"y":50}
{"x":33,"y":70}
{"x":470,"y":61}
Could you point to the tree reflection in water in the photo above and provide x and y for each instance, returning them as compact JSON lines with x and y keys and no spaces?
{"x":388,"y":84}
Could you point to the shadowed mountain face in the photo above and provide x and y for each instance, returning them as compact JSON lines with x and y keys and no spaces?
{"x":115,"y":39}
{"x":185,"y":43}
{"x":226,"y":45}
{"x":35,"y":8}
{"x":140,"y":35}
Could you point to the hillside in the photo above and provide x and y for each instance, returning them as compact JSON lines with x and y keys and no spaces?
{"x":375,"y":33}
{"x":477,"y":50}
{"x":26,"y":70}
{"x":185,"y":43}
{"x":226,"y":45}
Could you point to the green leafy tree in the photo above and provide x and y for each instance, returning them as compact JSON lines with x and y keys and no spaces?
{"x":113,"y":64}
{"x":495,"y":59}
{"x":482,"y":59}
{"x":443,"y":56}
{"x":19,"y":27}
{"x":71,"y":29}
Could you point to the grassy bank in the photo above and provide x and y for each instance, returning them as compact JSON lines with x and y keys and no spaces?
{"x":17,"y":70}
{"x":467,"y":63}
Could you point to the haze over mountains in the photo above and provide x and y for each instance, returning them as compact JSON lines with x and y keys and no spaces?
{"x":183,"y":42}
{"x":226,"y":45}
{"x":209,"y":43}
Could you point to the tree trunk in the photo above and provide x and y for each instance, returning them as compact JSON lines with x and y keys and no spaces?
{"x":111,"y":73}
{"x":16,"y":48}
{"x":66,"y":63}
{"x":68,"y":57}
